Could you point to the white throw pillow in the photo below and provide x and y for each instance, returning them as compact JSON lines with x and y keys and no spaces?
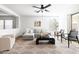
{"x":29,"y":30}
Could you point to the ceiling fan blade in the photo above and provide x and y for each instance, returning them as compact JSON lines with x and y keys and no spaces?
{"x":38,"y":11}
{"x":36,"y":7}
{"x":47,"y":5}
{"x":46,"y":10}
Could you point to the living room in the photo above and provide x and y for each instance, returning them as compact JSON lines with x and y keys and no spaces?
{"x":27,"y":21}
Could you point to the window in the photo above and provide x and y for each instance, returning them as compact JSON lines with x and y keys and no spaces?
{"x":75,"y":21}
{"x":8,"y":24}
{"x":1,"y":24}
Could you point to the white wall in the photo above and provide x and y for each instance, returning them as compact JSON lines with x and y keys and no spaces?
{"x":63,"y":22}
{"x":28,"y":22}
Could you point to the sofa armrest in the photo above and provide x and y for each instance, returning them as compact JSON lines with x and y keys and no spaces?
{"x":7,"y":42}
{"x":4,"y":44}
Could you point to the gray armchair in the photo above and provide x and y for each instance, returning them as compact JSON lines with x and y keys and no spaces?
{"x":72,"y":36}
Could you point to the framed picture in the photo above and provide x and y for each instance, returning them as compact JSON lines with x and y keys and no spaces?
{"x":37,"y":23}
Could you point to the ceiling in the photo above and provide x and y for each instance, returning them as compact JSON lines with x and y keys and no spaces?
{"x":2,"y":12}
{"x":55,"y":9}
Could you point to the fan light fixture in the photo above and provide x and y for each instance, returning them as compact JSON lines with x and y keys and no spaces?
{"x":42,"y":8}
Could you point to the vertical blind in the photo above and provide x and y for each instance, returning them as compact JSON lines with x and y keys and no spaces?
{"x":6,"y":24}
{"x":1,"y":24}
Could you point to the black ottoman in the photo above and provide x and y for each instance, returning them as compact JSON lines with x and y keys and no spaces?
{"x":50,"y":40}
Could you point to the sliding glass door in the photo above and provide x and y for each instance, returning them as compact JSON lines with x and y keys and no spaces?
{"x":75,"y":21}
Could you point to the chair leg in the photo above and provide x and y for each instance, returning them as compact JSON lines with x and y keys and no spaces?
{"x":68,"y":43}
{"x":77,"y":40}
{"x":61,"y":38}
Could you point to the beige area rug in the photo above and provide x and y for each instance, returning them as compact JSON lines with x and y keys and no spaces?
{"x":29,"y":47}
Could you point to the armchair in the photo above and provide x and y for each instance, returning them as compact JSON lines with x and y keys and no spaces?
{"x":7,"y":42}
{"x":72,"y":36}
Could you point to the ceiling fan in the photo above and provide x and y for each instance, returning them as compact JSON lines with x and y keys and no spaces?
{"x":42,"y":8}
